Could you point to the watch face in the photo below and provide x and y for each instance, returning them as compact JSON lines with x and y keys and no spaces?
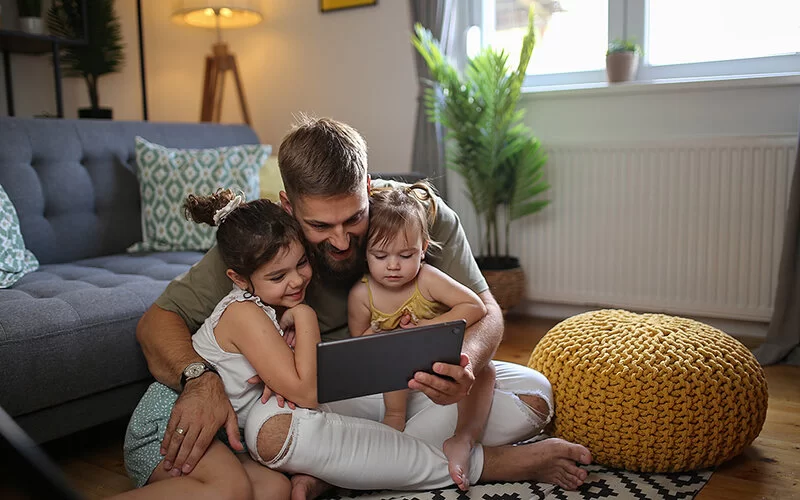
{"x":194,"y":370}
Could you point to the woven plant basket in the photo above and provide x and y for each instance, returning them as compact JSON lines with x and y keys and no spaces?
{"x":507,"y":286}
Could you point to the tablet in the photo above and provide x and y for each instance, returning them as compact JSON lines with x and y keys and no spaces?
{"x":384,"y":362}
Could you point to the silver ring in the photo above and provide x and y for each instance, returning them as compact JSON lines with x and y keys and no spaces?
{"x":180,"y":431}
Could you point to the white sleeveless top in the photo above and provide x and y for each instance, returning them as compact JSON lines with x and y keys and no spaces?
{"x":233,"y":367}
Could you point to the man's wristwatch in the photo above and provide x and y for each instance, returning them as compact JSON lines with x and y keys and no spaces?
{"x":194,"y":370}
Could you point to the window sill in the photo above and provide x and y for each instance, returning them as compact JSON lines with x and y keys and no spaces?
{"x":662,"y":86}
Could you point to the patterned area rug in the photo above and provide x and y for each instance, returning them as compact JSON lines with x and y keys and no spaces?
{"x":602,"y":482}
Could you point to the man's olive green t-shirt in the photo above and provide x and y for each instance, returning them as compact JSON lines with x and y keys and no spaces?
{"x":195,"y":294}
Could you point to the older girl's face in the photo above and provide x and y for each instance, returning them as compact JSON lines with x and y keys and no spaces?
{"x":395,"y":263}
{"x":282,"y":281}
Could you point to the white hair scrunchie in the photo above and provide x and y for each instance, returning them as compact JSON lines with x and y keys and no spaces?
{"x":221,"y":214}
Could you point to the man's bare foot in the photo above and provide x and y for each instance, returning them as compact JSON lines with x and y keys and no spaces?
{"x":395,"y":421}
{"x":305,"y":487}
{"x":458,"y":449}
{"x":549,"y":461}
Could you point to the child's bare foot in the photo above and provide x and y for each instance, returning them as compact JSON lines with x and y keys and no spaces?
{"x":395,"y":421}
{"x":457,"y":450}
{"x":305,"y":487}
{"x":549,"y":461}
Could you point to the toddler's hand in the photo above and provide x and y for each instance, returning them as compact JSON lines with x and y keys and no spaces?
{"x":287,"y":320}
{"x":267,"y":393}
{"x":290,"y":336}
{"x":406,"y":321}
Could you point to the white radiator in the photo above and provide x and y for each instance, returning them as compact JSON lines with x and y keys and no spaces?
{"x":687,"y":226}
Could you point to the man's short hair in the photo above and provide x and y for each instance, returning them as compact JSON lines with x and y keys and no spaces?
{"x":322,"y":157}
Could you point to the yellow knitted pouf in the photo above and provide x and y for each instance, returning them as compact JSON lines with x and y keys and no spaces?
{"x":652,"y":393}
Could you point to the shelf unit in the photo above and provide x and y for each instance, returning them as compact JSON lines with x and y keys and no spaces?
{"x":20,"y":42}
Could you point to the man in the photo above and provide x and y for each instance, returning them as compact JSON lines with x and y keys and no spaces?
{"x":324,"y":168}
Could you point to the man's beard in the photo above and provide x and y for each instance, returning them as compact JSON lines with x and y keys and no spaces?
{"x":334,"y":273}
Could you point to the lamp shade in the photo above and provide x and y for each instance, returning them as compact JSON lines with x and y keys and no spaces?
{"x":213,"y":14}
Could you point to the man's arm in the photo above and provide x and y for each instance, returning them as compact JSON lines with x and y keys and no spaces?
{"x":202,"y":408}
{"x":164,"y":332}
{"x":480,"y":343}
{"x":482,"y":339}
{"x":167,"y":345}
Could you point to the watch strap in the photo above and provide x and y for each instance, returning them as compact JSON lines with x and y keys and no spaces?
{"x":207,"y":367}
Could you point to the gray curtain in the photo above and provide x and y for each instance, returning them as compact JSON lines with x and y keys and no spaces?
{"x":428,"y":155}
{"x":783,"y":336}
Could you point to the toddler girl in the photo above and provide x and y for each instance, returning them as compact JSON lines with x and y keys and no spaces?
{"x":400,"y":286}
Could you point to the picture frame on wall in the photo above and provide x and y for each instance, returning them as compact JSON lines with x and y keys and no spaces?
{"x":335,"y":5}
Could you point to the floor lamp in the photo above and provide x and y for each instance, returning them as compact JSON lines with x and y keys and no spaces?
{"x":218,"y":16}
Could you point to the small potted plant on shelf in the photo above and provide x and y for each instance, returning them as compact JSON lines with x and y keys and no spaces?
{"x":488,"y":145}
{"x":103,"y":54}
{"x":30,"y":16}
{"x":622,"y":60}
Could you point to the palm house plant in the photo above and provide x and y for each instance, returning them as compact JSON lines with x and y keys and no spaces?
{"x":104,"y":52}
{"x":497,"y":155}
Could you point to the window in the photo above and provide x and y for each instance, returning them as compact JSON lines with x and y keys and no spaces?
{"x":558,"y":24}
{"x":717,"y":30}
{"x":680,"y":38}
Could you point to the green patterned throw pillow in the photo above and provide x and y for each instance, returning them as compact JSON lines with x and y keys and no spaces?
{"x":15,"y":260}
{"x":167,"y":176}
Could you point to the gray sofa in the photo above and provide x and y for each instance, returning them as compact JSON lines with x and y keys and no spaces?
{"x":68,"y":351}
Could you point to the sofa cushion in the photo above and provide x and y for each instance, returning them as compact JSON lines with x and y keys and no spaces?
{"x":168,"y":175}
{"x":69,"y":330}
{"x":73,"y":182}
{"x":15,"y":259}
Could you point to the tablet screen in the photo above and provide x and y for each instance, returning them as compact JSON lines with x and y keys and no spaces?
{"x":384,"y":362}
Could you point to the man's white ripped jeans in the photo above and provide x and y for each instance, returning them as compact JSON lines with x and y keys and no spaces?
{"x":344,"y":443}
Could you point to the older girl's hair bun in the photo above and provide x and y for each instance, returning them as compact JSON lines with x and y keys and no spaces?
{"x":201,"y":209}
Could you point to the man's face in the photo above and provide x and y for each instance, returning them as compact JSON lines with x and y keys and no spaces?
{"x":335,"y":228}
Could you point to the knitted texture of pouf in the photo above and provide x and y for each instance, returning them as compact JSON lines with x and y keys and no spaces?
{"x":650,"y":392}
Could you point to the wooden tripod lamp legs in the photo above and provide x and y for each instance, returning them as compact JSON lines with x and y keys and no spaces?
{"x":217,"y":65}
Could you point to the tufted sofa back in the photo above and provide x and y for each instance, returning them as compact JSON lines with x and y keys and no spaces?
{"x":73,"y":182}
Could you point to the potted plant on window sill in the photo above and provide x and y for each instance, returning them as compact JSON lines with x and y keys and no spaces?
{"x":30,"y":16}
{"x":488,"y":145}
{"x":103,"y":54}
{"x":622,"y":60}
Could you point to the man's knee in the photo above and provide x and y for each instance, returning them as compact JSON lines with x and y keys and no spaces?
{"x":272,"y":436}
{"x":520,"y":379}
{"x":538,"y":404}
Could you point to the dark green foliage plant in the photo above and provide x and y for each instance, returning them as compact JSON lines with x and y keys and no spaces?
{"x":486,"y":143}
{"x":103,"y":54}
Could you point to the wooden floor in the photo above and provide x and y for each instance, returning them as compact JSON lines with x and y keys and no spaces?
{"x":769,"y":469}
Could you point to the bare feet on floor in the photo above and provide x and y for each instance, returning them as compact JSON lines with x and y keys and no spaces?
{"x":549,"y":461}
{"x":458,"y":449}
{"x":305,"y":487}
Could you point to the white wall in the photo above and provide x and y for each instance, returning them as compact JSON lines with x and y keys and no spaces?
{"x":664,"y":114}
{"x":354,"y":65}
{"x":769,"y":106}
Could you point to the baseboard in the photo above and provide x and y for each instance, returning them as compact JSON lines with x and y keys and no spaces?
{"x":750,"y":333}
